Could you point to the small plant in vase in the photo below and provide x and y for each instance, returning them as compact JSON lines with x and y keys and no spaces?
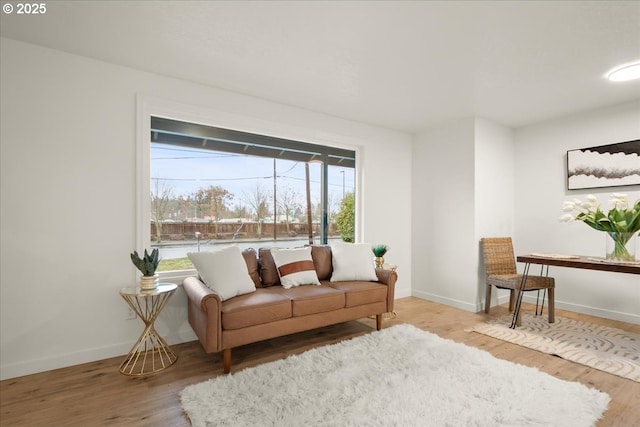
{"x":379,"y":251}
{"x":148,"y":264}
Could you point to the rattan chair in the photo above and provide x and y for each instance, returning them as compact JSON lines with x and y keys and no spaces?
{"x":501,"y":272}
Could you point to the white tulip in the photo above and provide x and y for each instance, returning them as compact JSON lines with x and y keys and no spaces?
{"x":568,"y":206}
{"x":587,"y":205}
{"x":619,"y":203}
{"x":592,"y":201}
{"x":567,"y":218}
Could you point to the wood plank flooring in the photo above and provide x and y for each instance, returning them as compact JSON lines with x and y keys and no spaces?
{"x":96,"y":394}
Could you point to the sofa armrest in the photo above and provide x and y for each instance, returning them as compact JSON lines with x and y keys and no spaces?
{"x":389,"y":278}
{"x":386,"y":277}
{"x":205,"y":313}
{"x":199,"y":293}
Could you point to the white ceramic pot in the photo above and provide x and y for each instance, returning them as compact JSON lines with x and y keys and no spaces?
{"x":149,"y":283}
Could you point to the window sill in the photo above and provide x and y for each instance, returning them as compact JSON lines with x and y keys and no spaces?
{"x":176,"y":276}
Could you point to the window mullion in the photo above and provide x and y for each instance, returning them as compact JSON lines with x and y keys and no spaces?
{"x":324,"y":188}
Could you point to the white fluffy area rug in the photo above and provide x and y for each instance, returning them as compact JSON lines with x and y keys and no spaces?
{"x":400,"y":376}
{"x":608,"y":349}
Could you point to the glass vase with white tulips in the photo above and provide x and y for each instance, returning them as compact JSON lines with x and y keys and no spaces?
{"x":621,"y":222}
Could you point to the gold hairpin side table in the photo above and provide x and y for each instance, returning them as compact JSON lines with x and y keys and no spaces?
{"x":150,"y":354}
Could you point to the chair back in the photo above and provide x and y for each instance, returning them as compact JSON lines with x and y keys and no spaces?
{"x":498,"y":256}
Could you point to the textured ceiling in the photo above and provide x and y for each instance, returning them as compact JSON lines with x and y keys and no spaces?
{"x":400,"y":65}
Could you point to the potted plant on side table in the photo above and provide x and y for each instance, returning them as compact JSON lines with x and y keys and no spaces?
{"x":148,"y":264}
{"x":379,"y":251}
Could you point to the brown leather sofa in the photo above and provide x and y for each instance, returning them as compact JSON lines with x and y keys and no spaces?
{"x":272,"y":311}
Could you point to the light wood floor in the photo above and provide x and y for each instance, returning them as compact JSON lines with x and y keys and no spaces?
{"x":96,"y":394}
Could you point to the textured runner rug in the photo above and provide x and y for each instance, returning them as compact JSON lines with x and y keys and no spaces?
{"x":400,"y":376}
{"x":601,"y":347}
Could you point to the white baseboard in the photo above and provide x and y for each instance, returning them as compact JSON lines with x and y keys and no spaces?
{"x":402,"y":293}
{"x":34,"y":366}
{"x":504,"y":299}
{"x":462,"y":305}
{"x":592,"y":311}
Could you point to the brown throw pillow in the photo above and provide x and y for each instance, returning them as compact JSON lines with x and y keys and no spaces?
{"x":268,"y":269}
{"x":321,"y":255}
{"x":251,"y":258}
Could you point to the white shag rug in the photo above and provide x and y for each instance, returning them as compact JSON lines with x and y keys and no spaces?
{"x":400,"y":376}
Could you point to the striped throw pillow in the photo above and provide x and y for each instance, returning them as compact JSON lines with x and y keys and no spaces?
{"x":295,"y":267}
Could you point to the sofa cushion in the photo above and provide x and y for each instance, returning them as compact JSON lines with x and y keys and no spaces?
{"x":253,"y":266}
{"x":314,"y":299}
{"x":295,"y":267}
{"x":265,"y":305}
{"x":352,"y":261}
{"x":268,"y":269}
{"x":361,"y":293}
{"x":224,"y":271}
{"x":321,"y":255}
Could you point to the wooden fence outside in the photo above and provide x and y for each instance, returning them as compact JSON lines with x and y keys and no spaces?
{"x":226,"y":230}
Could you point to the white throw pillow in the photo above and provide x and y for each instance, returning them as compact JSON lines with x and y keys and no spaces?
{"x":352,"y":261}
{"x":224,"y":271}
{"x":295,"y":267}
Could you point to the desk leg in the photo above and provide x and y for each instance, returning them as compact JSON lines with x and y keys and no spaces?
{"x":544,"y":292}
{"x":523,"y":283}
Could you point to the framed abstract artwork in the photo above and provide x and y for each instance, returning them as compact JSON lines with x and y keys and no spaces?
{"x":610,"y":165}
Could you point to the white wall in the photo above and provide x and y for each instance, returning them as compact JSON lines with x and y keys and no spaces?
{"x":494,"y":193}
{"x":474,"y":178}
{"x":444,"y":254}
{"x":540,"y":174}
{"x":463,"y":176}
{"x":68,"y":219}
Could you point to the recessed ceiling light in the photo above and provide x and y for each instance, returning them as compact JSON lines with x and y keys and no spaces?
{"x":625,"y":72}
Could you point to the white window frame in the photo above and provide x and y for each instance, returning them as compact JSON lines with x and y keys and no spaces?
{"x":147,"y":106}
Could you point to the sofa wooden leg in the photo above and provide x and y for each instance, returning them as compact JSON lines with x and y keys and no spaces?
{"x":226,"y":360}
{"x":378,"y":321}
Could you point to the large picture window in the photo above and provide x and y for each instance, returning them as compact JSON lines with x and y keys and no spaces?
{"x":212,"y":186}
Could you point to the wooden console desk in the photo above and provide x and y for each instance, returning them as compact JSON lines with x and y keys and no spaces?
{"x":588,"y":263}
